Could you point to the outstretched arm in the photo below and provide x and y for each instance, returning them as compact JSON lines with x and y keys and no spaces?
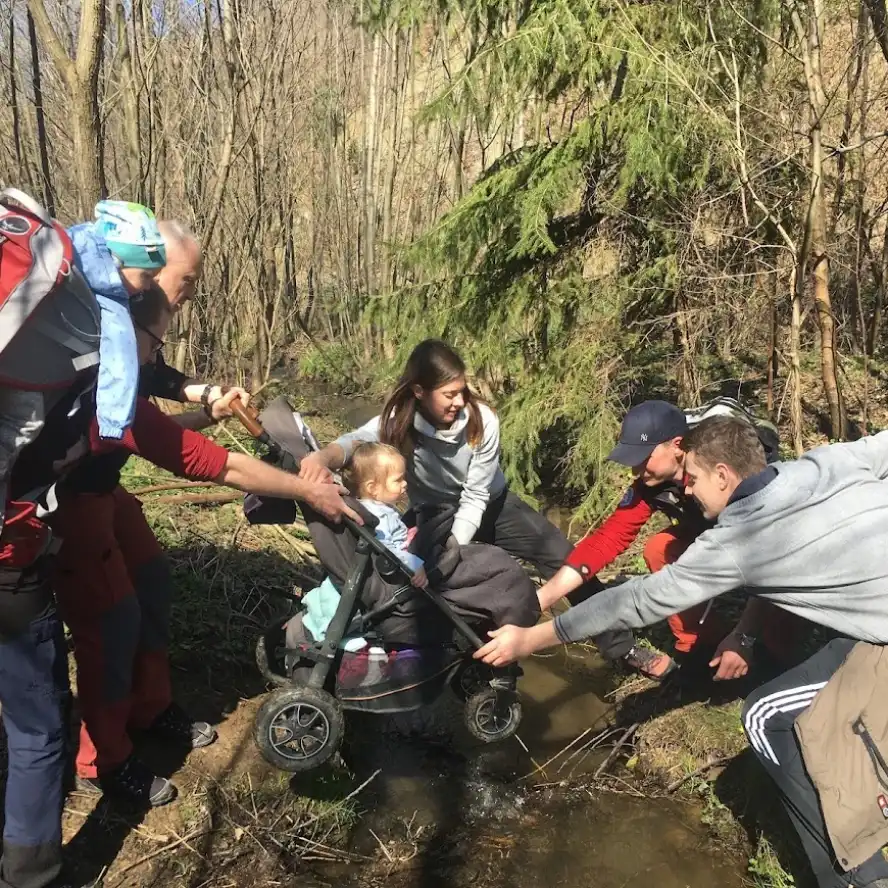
{"x":704,"y":571}
{"x":186,"y":453}
{"x":319,"y":466}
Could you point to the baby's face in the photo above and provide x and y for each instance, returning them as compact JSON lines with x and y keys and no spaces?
{"x":395,"y":486}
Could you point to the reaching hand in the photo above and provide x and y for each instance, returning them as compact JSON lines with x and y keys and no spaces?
{"x":507,"y":644}
{"x":327,"y":500}
{"x":220,"y":407}
{"x":419,"y":579}
{"x":731,"y":659}
{"x":313,"y":470}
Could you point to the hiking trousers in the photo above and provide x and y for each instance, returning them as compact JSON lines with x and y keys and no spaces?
{"x":114,"y":588}
{"x":34,"y":696}
{"x":769,"y":715}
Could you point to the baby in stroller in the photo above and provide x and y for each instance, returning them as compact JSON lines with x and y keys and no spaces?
{"x":376,"y":477}
{"x":391,"y":636}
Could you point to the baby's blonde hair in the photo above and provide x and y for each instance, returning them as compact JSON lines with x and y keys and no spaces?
{"x":371,"y":462}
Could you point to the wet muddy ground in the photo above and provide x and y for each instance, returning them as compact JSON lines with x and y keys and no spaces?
{"x":447,"y":811}
{"x":430,"y":805}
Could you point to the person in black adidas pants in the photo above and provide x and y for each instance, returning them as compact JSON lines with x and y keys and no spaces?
{"x":799,"y":534}
{"x":769,"y":716}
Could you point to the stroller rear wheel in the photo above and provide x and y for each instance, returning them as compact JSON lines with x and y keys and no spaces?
{"x":469,"y":679}
{"x":493,"y":714}
{"x":298,"y":729}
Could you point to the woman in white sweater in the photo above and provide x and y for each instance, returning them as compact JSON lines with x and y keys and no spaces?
{"x":450,"y":439}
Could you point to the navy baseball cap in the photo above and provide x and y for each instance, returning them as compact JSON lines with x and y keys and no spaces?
{"x":645,"y":426}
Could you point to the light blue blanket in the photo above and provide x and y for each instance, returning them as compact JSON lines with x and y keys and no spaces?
{"x":320,"y":606}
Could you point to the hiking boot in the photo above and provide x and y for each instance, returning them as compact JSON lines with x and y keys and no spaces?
{"x":133,"y":783}
{"x":175,"y":725}
{"x":651,"y":664}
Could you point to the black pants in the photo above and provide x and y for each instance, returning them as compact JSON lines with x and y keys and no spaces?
{"x":769,"y":715}
{"x":524,"y":533}
{"x":34,"y":696}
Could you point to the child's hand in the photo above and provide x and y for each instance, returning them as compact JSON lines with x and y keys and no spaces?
{"x":419,"y":579}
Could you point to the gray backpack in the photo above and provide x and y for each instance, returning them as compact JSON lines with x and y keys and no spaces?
{"x":723,"y":406}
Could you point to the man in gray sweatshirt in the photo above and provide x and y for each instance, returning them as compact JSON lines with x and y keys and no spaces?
{"x":806,"y":535}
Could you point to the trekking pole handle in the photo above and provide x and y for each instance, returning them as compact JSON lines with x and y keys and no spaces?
{"x":249,"y":418}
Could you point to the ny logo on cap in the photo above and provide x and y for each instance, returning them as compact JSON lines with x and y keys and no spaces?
{"x":644,"y":437}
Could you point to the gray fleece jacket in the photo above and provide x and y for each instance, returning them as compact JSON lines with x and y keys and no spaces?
{"x":445,"y":469}
{"x":814,"y":541}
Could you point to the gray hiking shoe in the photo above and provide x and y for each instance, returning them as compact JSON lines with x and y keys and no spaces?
{"x":176,"y":726}
{"x":132,"y":784}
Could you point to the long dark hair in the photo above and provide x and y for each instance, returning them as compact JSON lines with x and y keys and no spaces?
{"x":431,"y":364}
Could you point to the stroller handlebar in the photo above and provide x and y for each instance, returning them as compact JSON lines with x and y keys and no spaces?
{"x":249,"y":418}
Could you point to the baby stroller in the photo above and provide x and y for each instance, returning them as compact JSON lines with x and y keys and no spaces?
{"x":300,"y":725}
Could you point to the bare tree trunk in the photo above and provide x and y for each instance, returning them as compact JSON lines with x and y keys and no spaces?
{"x":852,"y":79}
{"x":130,"y":100}
{"x":773,"y":364}
{"x":876,"y":9}
{"x":369,"y":166}
{"x":795,"y":375}
{"x":81,"y":75}
{"x":817,"y":257}
{"x":223,"y":167}
{"x":48,"y":193}
{"x":881,"y":277}
{"x":688,"y":380}
{"x":13,"y":98}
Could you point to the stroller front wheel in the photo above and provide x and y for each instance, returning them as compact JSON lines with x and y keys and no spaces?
{"x":493,"y":714}
{"x":299,"y":729}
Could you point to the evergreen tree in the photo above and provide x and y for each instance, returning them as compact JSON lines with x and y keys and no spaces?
{"x":545,"y":271}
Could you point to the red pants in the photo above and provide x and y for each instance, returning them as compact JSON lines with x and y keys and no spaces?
{"x":113,"y":586}
{"x":779,"y":631}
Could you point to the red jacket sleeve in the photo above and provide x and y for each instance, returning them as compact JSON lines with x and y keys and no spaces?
{"x":165,"y":443}
{"x":615,"y":536}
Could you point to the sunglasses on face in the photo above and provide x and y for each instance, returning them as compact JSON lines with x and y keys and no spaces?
{"x":158,"y":342}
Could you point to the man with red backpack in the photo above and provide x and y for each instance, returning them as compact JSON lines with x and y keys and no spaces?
{"x":49,"y":353}
{"x":49,"y":342}
{"x":650,"y":444}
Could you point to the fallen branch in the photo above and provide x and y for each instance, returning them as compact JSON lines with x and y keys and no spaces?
{"x":203,"y":499}
{"x":715,"y":763}
{"x":172,"y":485}
{"x":616,"y":750}
{"x":348,"y":798}
{"x":588,"y":747}
{"x":560,"y":752}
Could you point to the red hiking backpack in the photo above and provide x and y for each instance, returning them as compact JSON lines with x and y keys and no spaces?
{"x":49,"y":338}
{"x":49,"y":318}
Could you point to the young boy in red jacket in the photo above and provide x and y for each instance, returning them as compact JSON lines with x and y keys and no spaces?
{"x":650,"y":444}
